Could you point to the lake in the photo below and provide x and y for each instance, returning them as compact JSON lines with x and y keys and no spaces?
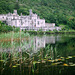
{"x":52,"y":54}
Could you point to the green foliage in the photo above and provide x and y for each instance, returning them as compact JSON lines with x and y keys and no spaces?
{"x":57,"y":11}
{"x":16,"y":29}
{"x":40,"y":32}
{"x":17,"y":6}
{"x":32,"y":32}
{"x":55,"y":30}
{"x":25,"y":30}
{"x":5,"y":28}
{"x":71,"y":22}
{"x":13,"y":35}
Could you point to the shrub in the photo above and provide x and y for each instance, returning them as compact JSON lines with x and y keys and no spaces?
{"x":25,"y":30}
{"x":55,"y":30}
{"x":5,"y":28}
{"x":17,"y":29}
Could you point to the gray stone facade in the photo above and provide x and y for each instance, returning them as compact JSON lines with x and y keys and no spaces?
{"x":31,"y":21}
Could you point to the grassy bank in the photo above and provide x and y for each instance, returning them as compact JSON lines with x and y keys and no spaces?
{"x":51,"y":32}
{"x":13,"y":35}
{"x":23,"y":34}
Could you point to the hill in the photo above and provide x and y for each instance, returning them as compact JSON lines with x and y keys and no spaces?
{"x":61,"y":12}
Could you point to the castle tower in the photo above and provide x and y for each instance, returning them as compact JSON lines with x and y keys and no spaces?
{"x":21,"y":14}
{"x":15,"y":11}
{"x":30,"y":12}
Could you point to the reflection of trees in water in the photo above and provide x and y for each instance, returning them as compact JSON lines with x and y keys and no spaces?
{"x":29,"y":62}
{"x":66,"y":48}
{"x":59,"y":49}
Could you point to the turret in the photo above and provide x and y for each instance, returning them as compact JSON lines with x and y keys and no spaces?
{"x":15,"y":11}
{"x":30,"y":12}
{"x":21,"y":14}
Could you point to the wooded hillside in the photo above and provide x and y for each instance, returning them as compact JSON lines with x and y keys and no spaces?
{"x":61,"y":12}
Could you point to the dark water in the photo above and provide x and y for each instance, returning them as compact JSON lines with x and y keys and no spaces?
{"x":38,"y":55}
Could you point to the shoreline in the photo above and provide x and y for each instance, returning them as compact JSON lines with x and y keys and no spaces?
{"x":28,"y":33}
{"x":50,"y":32}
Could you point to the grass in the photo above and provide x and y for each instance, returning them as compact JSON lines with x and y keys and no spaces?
{"x":13,"y":34}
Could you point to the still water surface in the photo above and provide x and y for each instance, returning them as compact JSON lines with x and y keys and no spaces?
{"x":38,"y":55}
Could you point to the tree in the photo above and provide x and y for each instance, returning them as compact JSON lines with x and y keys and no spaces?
{"x":71,"y":22}
{"x":17,"y":6}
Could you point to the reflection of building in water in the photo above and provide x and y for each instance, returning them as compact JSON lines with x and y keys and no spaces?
{"x":40,"y":42}
{"x":50,"y":39}
{"x":35,"y":43}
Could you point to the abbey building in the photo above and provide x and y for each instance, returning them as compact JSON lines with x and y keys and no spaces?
{"x":31,"y":21}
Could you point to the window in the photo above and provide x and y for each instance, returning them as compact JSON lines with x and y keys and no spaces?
{"x":38,"y":22}
{"x":35,"y":20}
{"x":30,"y":18}
{"x":25,"y":20}
{"x":35,"y":25}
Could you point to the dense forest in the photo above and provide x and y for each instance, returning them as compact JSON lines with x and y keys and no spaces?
{"x":61,"y":12}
